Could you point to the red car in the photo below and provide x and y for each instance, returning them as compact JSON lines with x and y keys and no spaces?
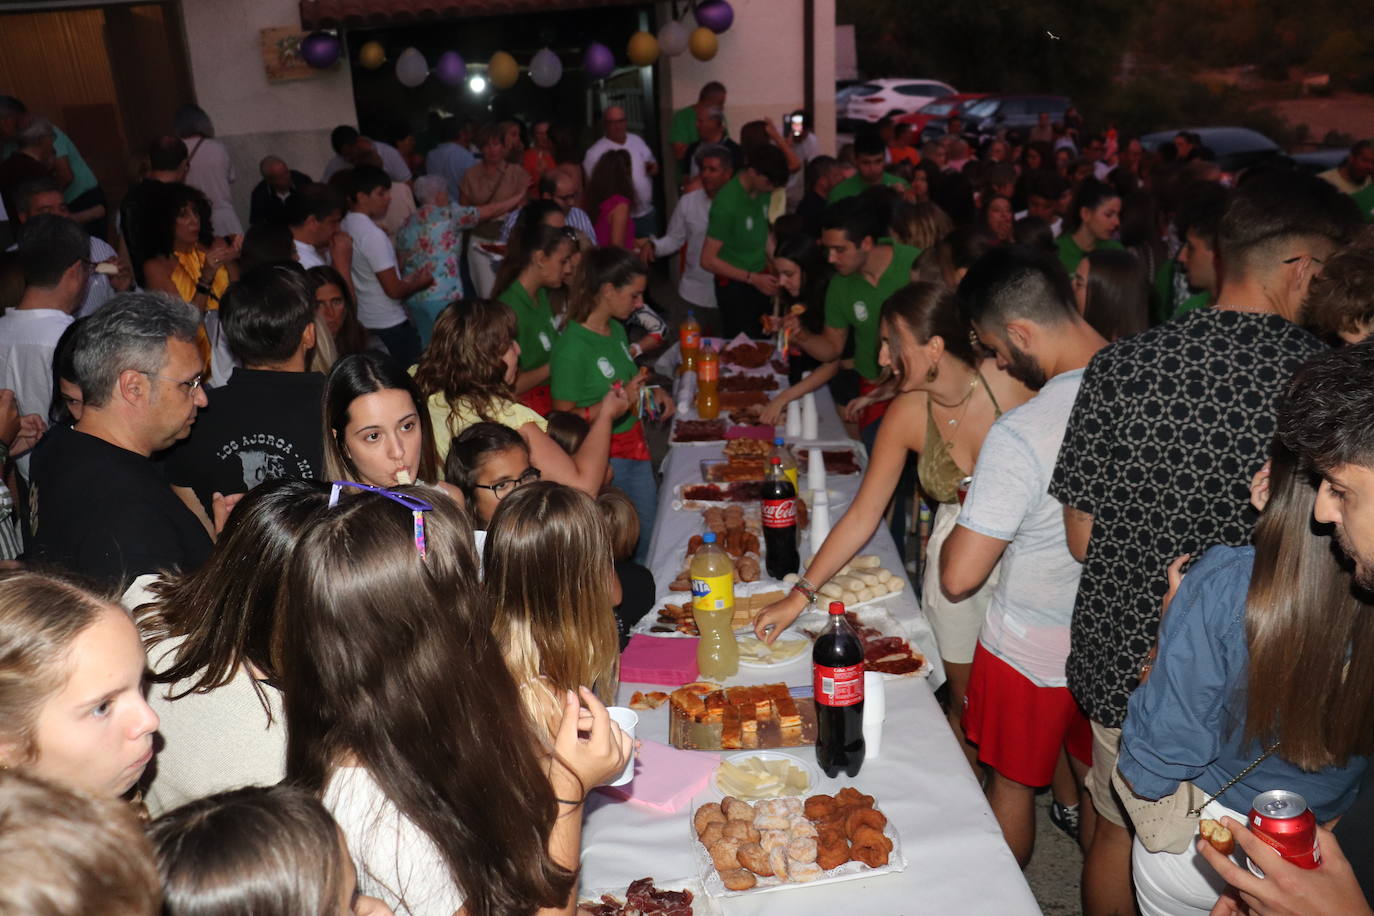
{"x":939,"y":110}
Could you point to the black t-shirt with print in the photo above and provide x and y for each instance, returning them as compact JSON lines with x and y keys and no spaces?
{"x":107,"y":513}
{"x":1168,"y":428}
{"x":262,"y":425}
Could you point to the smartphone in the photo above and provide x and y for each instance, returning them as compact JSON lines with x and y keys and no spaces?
{"x":797,"y":123}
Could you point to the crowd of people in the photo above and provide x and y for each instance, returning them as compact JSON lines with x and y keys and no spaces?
{"x":293,"y":481}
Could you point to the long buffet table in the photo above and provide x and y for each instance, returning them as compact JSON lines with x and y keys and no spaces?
{"x":957,"y":860}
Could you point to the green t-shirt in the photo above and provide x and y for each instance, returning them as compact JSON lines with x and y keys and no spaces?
{"x":1194,"y":302}
{"x":854,"y":185}
{"x":1364,"y":199}
{"x":683,"y":128}
{"x":585,"y":364}
{"x":739,"y":221}
{"x":1070,"y":254}
{"x":851,"y":302}
{"x":535,"y":331}
{"x":83,"y":179}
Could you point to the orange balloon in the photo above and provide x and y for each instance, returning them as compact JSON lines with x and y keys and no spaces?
{"x":643,"y":49}
{"x":502,"y":70}
{"x":703,"y":43}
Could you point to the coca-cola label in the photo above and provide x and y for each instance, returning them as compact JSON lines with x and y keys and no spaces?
{"x":838,"y":686}
{"x":779,"y":513}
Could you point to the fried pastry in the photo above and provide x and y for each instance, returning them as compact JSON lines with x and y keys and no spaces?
{"x":832,"y":852}
{"x":737,"y":810}
{"x":724,"y":853}
{"x":743,"y":831}
{"x":753,"y":857}
{"x":707,"y":814}
{"x":801,"y":849}
{"x":864,"y":817}
{"x":803,"y":871}
{"x":819,"y":806}
{"x":714,"y":831}
{"x":738,"y":879}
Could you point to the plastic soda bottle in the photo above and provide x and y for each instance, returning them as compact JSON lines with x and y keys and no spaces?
{"x":789,"y":462}
{"x":690,"y":336}
{"x":708,"y":376}
{"x":713,"y":606}
{"x":837,"y":671}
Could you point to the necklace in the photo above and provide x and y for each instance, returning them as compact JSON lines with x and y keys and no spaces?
{"x":962,"y":402}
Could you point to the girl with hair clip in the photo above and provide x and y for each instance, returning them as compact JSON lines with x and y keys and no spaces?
{"x":803,"y":274}
{"x":66,"y":853}
{"x":399,"y":711}
{"x":211,"y":638}
{"x":557,"y":629}
{"x":948,"y":395}
{"x":376,"y":428}
{"x":468,"y":374}
{"x":71,"y":687}
{"x":538,"y":265}
{"x":269,"y":851}
{"x":592,"y":359}
{"x":1265,"y":657}
{"x":1113,"y":293}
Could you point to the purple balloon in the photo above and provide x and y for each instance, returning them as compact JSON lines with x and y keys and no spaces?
{"x":451,"y":69}
{"x":716,"y":15}
{"x":320,"y":49}
{"x":598,"y":61}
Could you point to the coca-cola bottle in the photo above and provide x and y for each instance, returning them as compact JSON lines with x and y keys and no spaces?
{"x":837,"y":674}
{"x":780,"y":522}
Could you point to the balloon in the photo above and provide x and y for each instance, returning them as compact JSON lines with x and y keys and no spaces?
{"x":411,"y":68}
{"x":451,"y":69}
{"x":371,"y":55}
{"x":716,"y":15}
{"x":502,"y":70}
{"x":546,"y":69}
{"x":672,"y":38}
{"x":320,"y":49}
{"x":643,"y":49}
{"x":598,"y":61}
{"x":703,"y":44}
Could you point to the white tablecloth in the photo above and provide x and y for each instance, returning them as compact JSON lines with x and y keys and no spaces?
{"x":958,"y":861}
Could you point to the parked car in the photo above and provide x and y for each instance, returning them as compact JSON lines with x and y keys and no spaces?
{"x":1013,"y":112}
{"x":875,"y":99}
{"x":933,"y":113}
{"x":1234,"y":149}
{"x":1321,"y":160}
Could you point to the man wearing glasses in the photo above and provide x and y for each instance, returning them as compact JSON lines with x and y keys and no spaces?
{"x":102,"y":507}
{"x":643,"y":165}
{"x":558,"y":186}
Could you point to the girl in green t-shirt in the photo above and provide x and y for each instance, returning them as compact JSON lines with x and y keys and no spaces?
{"x":535,"y":263}
{"x":594,"y":354}
{"x":1091,"y":222}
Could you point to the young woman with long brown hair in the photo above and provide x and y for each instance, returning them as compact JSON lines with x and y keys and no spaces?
{"x":376,"y":425}
{"x":402,"y":716}
{"x":468,"y":374}
{"x":948,"y":398}
{"x":537,"y":262}
{"x":558,"y":628}
{"x":1265,"y":653}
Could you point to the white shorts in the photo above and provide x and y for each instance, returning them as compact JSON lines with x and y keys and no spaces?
{"x":1182,"y":884}
{"x":956,"y":625}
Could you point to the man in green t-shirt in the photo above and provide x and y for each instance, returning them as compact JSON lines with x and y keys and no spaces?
{"x":867,"y":272}
{"x":80,"y":190}
{"x":736,"y":246}
{"x":1364,"y":199}
{"x":1198,"y":222}
{"x":682,"y":130}
{"x":868,"y":159}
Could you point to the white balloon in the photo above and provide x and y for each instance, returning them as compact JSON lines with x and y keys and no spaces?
{"x":546,"y":69}
{"x":411,"y":68}
{"x":672,"y":38}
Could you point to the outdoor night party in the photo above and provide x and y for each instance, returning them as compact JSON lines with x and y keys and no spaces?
{"x":671,"y":457}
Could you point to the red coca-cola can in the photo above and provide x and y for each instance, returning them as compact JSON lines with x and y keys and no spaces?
{"x":964,"y":484}
{"x":1282,"y":819}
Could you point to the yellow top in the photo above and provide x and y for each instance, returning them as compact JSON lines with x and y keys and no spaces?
{"x":449,"y":420}
{"x":187,"y":273}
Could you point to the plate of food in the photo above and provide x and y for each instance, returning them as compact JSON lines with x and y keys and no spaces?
{"x":777,"y":844}
{"x":648,"y":897}
{"x":840,"y":462}
{"x":698,"y":432}
{"x":887,"y":649}
{"x":785,"y":650}
{"x":754,"y":775}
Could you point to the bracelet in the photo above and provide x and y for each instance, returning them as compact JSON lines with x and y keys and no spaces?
{"x":587,"y":414}
{"x":807,"y":590}
{"x":204,"y":290}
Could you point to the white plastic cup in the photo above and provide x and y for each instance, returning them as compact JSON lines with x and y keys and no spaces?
{"x":875,"y":712}
{"x":820,"y":518}
{"x":628,"y":719}
{"x":815,"y":470}
{"x":810,"y":419}
{"x":793,"y":429}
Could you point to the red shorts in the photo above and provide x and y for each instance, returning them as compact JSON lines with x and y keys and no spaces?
{"x":1019,"y":726}
{"x":873,"y":412}
{"x":539,"y":399}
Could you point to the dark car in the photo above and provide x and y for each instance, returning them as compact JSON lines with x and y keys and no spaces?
{"x":1321,"y":160}
{"x":1013,"y":112}
{"x":1234,"y":149}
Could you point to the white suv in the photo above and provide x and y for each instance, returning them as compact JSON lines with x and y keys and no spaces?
{"x":875,"y":98}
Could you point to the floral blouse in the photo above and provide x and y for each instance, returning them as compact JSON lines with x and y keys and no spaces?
{"x":434,"y":236}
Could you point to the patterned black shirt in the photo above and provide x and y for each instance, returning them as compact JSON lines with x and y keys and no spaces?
{"x":1168,"y":428}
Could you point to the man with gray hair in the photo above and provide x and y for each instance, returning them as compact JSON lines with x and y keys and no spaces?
{"x":267,"y":204}
{"x":711,"y":128}
{"x":32,"y":159}
{"x":558,"y":186}
{"x":714,"y":165}
{"x":104,"y":509}
{"x":80,"y":189}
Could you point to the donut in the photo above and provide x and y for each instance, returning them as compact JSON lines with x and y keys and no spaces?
{"x":850,"y":797}
{"x":724,"y":854}
{"x":800,"y":826}
{"x":804,"y":871}
{"x":753,"y":857}
{"x":801,"y":849}
{"x":743,"y":831}
{"x":738,"y":879}
{"x":707,"y":814}
{"x":819,"y":806}
{"x":864,"y":817}
{"x":832,"y":852}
